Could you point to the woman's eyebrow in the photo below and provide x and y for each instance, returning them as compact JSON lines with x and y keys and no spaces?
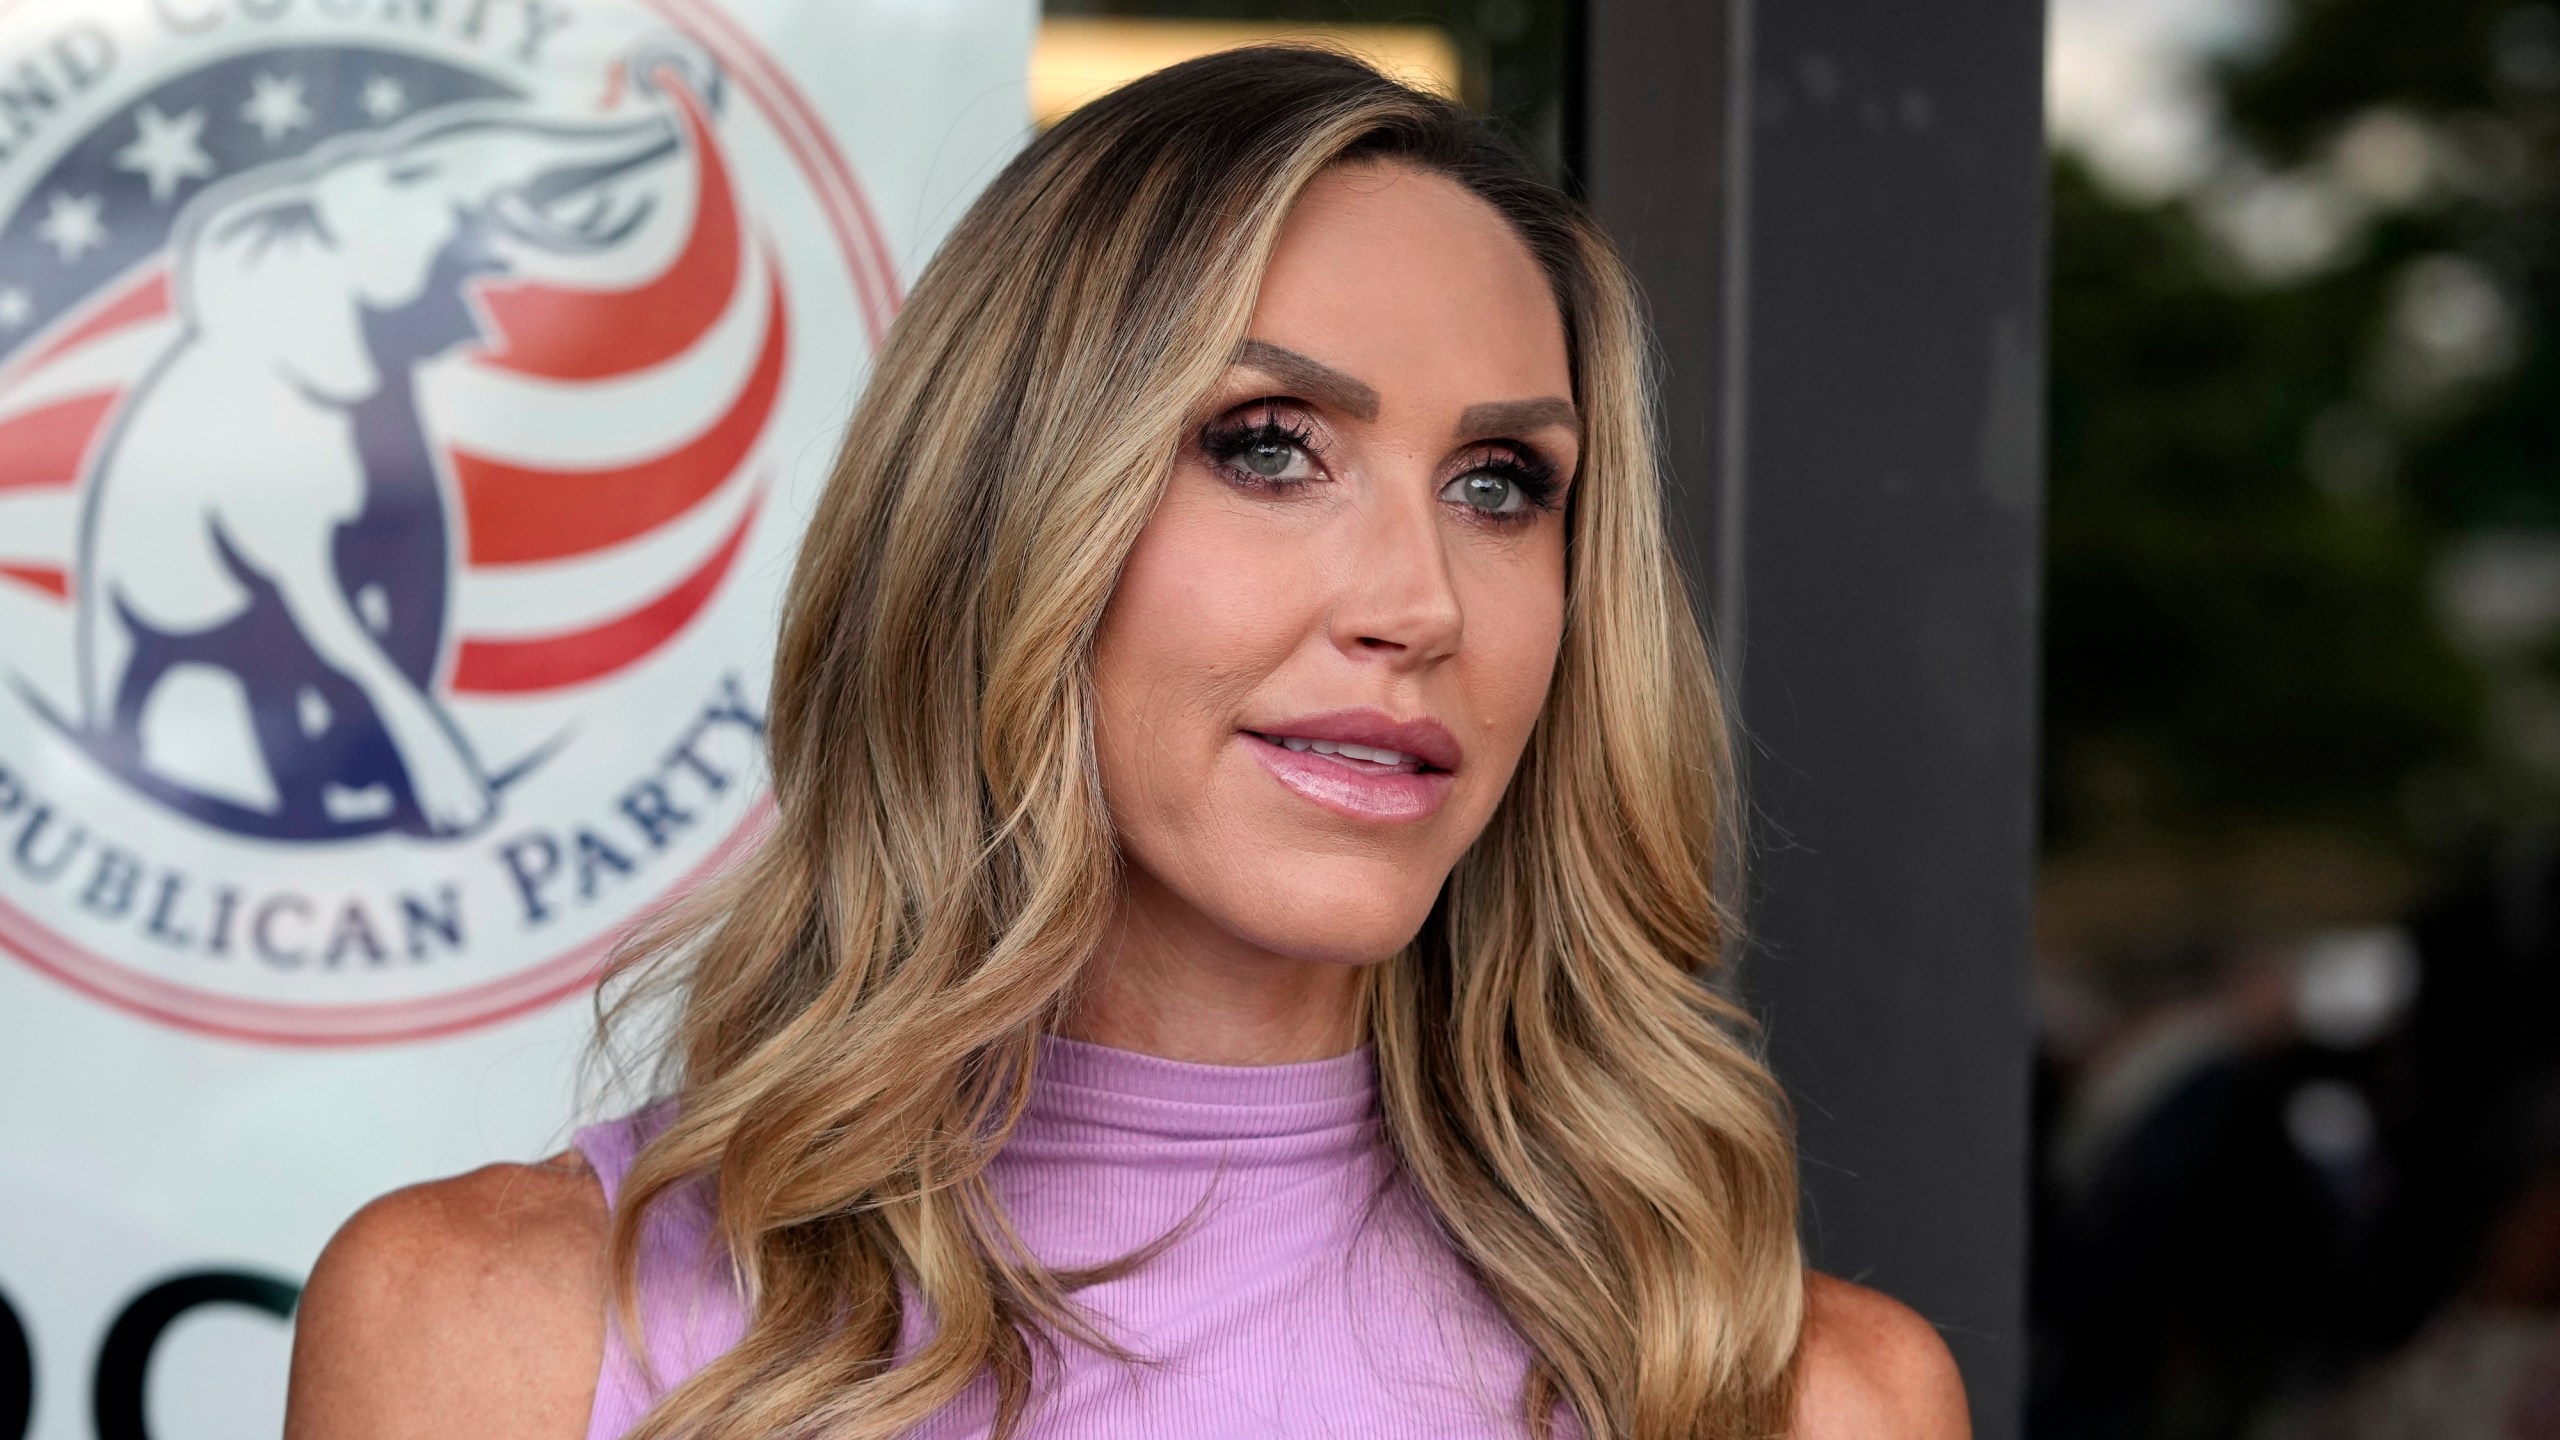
{"x":1313,"y":379}
{"x":1513,"y":417}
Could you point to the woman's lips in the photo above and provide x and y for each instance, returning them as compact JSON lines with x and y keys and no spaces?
{"x":1363,"y":789}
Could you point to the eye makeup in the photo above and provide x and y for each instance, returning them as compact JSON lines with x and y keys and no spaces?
{"x":1259,"y":444}
{"x":1532,"y":479}
{"x":1273,"y":446}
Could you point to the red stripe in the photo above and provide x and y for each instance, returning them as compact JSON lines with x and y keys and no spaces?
{"x":567,"y":334}
{"x":502,"y":667}
{"x":811,"y":142}
{"x":56,"y":583}
{"x":45,"y":446}
{"x":518,"y":515}
{"x":145,"y":299}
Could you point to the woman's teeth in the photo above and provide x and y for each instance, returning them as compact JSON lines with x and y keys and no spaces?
{"x":1370,"y":753}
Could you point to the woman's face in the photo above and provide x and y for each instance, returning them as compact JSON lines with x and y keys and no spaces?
{"x":1332,"y":637}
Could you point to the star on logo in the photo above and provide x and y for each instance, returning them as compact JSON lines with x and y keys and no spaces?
{"x":275,"y":105}
{"x":165,"y":150}
{"x":71,"y":224}
{"x":15,"y":308}
{"x":383,"y":97}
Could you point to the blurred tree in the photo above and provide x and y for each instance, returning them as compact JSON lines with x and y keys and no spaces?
{"x":2230,"y":643}
{"x":2285,"y":407}
{"x":2474,"y":85}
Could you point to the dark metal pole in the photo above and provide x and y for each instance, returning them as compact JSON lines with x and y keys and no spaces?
{"x":1836,"y":208}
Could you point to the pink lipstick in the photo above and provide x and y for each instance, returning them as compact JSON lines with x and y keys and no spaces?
{"x":1361,"y":763}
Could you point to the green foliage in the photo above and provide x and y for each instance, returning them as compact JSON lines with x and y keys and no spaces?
{"x":2335,"y":59}
{"x":2483,"y":79}
{"x":2230,"y":645}
{"x":2233,"y":642}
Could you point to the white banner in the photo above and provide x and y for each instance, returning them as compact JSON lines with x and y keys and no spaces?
{"x":408,"y":412}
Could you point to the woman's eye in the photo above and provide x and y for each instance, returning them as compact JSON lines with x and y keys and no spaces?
{"x":1269,"y":459}
{"x":1483,"y":490}
{"x":1268,"y":454}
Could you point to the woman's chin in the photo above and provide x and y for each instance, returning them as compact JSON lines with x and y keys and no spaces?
{"x":1316,"y":924}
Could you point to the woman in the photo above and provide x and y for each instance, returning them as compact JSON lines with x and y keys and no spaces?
{"x":1227,"y":961}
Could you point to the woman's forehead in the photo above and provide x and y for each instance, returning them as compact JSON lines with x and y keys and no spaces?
{"x":1389,"y":274}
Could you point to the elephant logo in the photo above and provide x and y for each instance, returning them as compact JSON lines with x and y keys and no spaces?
{"x":390,"y":435}
{"x":306,"y":293}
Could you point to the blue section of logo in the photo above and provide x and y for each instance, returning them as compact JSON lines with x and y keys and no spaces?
{"x":110,"y":202}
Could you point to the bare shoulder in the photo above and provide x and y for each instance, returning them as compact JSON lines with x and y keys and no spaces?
{"x":1872,"y":1369}
{"x":468,"y":1306}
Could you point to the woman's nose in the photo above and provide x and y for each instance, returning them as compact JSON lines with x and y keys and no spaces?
{"x":1399,"y":597}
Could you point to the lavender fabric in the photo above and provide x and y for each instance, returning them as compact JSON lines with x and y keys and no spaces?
{"x":1312,"y":1296}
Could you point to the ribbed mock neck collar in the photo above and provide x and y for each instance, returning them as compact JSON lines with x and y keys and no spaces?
{"x":1081,"y":1083}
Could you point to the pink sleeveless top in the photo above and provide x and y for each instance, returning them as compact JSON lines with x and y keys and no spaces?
{"x":1314,"y":1296}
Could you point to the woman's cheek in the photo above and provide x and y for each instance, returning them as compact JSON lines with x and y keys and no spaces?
{"x":1200,"y":620}
{"x":1228,"y":593}
{"x":1515,"y":629}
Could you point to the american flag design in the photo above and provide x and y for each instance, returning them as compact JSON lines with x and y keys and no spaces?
{"x":399,"y":458}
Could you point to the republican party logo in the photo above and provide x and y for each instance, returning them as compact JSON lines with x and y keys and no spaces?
{"x":406,"y":413}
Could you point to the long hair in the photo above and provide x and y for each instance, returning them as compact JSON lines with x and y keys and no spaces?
{"x":857,"y":1006}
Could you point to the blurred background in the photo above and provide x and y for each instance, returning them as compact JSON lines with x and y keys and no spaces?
{"x":2298,"y":1114}
{"x":2297,"y":1102}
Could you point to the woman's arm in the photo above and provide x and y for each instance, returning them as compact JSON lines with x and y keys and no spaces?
{"x":1872,"y":1369}
{"x":470,"y":1306}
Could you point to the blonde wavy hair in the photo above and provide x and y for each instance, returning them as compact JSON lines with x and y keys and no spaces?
{"x":857,"y":1006}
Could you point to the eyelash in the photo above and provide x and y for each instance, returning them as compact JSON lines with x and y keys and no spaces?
{"x":1533,"y":474}
{"x":1223,"y":440}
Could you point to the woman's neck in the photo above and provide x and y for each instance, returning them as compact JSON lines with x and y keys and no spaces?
{"x":1168,"y":983}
